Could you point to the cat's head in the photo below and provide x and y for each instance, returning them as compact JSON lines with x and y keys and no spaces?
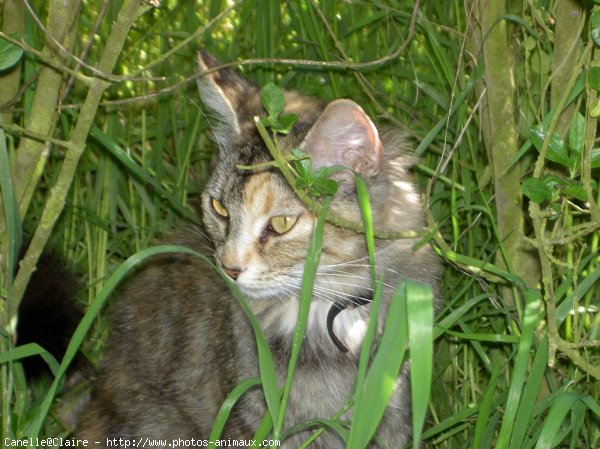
{"x":259,"y":227}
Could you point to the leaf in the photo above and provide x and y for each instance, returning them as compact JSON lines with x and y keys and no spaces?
{"x":576,"y":190}
{"x":11,"y":216}
{"x":554,"y":182}
{"x":304,"y":168}
{"x":576,"y":133}
{"x":520,"y":369}
{"x":325,"y":186}
{"x":555,"y":419}
{"x":536,"y":190}
{"x":595,"y":157}
{"x":232,"y":398}
{"x":556,"y":152}
{"x":269,"y":122}
{"x":273,"y":100}
{"x":371,"y":401}
{"x":299,"y":153}
{"x":594,"y":77}
{"x":595,"y":25}
{"x":10,"y":53}
{"x":326,"y":172}
{"x":419,"y":304}
{"x":287,"y":122}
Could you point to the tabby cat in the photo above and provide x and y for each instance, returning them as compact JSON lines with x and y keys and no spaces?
{"x":180,"y":342}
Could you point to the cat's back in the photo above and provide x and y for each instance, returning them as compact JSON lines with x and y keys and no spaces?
{"x":172,"y":330}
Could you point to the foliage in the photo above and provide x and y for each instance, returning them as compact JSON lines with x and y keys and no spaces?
{"x":103,"y":146}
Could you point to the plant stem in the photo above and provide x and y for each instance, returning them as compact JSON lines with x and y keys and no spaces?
{"x":129,"y":12}
{"x":502,"y":142}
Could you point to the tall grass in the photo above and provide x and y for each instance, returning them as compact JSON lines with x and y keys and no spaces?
{"x":516,"y":364}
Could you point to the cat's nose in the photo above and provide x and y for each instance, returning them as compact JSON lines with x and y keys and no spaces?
{"x":232,"y":272}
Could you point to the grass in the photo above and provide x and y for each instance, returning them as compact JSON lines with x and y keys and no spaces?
{"x":515,"y":365}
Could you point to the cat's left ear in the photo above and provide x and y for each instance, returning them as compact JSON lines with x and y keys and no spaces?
{"x":234,"y":100}
{"x":345,"y":135}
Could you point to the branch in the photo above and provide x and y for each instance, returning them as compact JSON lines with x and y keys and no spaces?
{"x":130,"y":10}
{"x":29,"y":163}
{"x":503,"y":143}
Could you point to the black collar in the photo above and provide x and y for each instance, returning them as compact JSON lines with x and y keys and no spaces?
{"x":335,"y":310}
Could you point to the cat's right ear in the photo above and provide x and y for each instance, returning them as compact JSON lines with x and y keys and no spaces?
{"x":229,"y":97}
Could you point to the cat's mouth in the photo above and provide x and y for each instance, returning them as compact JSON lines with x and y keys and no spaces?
{"x":253,"y":289}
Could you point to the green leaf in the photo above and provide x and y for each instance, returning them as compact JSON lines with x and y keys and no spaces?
{"x":371,"y":401}
{"x":595,"y":157}
{"x":232,"y":398}
{"x":30,"y":350}
{"x":10,"y":53}
{"x":325,"y":186}
{"x":536,"y":190}
{"x":594,"y":77}
{"x":287,"y":122}
{"x":272,"y":99}
{"x":520,"y":371}
{"x":576,"y":190}
{"x":269,"y":122}
{"x":556,"y":152}
{"x":576,"y":133}
{"x":529,"y":395}
{"x":554,"y":182}
{"x":11,"y":216}
{"x":419,"y":304}
{"x":306,"y":293}
{"x":299,"y":153}
{"x":304,"y":169}
{"x":555,"y":420}
{"x":595,"y":25}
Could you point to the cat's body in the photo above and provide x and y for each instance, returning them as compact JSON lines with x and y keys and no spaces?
{"x":180,"y":340}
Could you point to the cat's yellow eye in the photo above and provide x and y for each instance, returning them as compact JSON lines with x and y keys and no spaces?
{"x":282,"y":223}
{"x":219,"y":208}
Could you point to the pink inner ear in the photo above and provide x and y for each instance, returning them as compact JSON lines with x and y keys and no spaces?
{"x":345,"y":135}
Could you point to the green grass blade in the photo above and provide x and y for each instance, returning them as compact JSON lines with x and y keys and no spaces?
{"x":379,"y":384}
{"x":530,"y":393}
{"x":482,"y":428}
{"x":266,"y":364}
{"x":592,"y":405}
{"x":230,"y":401}
{"x":578,"y":422}
{"x":264,"y":428}
{"x":519,"y":374}
{"x":365,"y":350}
{"x":452,"y":318}
{"x":323,"y":424}
{"x":453,"y":421}
{"x":554,"y":420}
{"x":367,"y":217}
{"x":11,"y":210}
{"x":419,"y":303}
{"x":118,"y":152}
{"x":30,"y":350}
{"x":308,"y":279}
{"x":583,"y":285}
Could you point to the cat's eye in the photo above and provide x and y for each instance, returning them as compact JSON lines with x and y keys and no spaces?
{"x":219,"y":208}
{"x":282,"y":223}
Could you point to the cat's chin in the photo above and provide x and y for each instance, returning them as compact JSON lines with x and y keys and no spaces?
{"x":256,"y":293}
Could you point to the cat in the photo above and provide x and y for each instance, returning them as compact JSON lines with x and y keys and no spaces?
{"x":180,"y":341}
